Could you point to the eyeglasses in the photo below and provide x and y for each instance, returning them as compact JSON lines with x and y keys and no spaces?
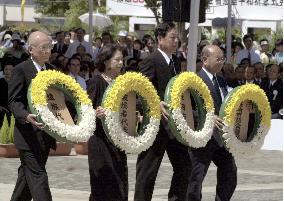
{"x":45,"y":48}
{"x":221,"y":59}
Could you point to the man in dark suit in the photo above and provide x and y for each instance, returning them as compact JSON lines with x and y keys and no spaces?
{"x":213,"y":60}
{"x":60,"y":47}
{"x":273,"y":88}
{"x":33,"y":143}
{"x":259,"y":73}
{"x":160,"y":67}
{"x":239,"y":77}
{"x":250,"y":75}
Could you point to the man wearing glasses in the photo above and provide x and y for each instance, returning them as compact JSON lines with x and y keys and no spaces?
{"x":31,"y":141}
{"x":213,"y":61}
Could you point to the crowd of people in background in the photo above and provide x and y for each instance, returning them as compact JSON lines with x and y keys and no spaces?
{"x":71,"y":53}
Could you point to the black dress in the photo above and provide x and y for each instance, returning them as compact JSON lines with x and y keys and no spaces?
{"x":3,"y":100}
{"x":107,"y":164}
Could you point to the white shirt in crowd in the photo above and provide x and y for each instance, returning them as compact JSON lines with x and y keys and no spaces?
{"x":73,"y":47}
{"x":79,"y":80}
{"x":254,"y":55}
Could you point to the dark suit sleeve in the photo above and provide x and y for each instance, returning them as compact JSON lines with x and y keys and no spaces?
{"x":17,"y":94}
{"x":147,"y":69}
{"x":95,"y":90}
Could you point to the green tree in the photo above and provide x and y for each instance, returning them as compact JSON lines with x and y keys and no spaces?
{"x":77,"y":8}
{"x":52,"y":8}
{"x":154,"y":6}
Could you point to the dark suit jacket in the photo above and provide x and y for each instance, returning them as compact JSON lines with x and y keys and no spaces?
{"x":62,"y":51}
{"x":156,"y":68}
{"x":26,"y":136}
{"x":235,"y":83}
{"x":217,"y":103}
{"x":274,"y":94}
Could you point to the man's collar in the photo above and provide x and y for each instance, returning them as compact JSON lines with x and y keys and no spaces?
{"x":272,"y":82}
{"x":210,"y":75}
{"x":168,"y":59}
{"x":38,"y":67}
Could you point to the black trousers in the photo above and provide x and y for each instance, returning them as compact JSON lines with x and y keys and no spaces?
{"x":108,"y":170}
{"x":148,"y":164}
{"x":226,"y":171}
{"x":32,"y":182}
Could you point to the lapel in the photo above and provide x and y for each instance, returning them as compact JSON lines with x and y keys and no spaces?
{"x":211,"y":87}
{"x":163,"y":69}
{"x":30,"y":70}
{"x":162,"y":63}
{"x":222,"y":85}
{"x":160,"y":58}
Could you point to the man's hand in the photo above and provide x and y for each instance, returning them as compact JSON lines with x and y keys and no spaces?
{"x":218,"y":123}
{"x":31,"y":118}
{"x":139,"y":117}
{"x":249,"y":106}
{"x":100,"y":112}
{"x":163,"y":106}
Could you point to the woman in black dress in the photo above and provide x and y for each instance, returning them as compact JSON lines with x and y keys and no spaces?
{"x":107,"y":164}
{"x":7,"y":71}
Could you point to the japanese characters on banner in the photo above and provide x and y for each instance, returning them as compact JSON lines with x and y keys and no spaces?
{"x":263,"y":10}
{"x":246,"y":2}
{"x":222,"y":2}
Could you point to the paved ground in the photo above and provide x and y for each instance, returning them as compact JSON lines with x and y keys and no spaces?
{"x":259,"y":178}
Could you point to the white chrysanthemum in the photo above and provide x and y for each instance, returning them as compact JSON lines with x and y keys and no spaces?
{"x":74,"y":133}
{"x":130,"y":144}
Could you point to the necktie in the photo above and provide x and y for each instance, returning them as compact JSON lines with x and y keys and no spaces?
{"x":249,"y":56}
{"x":172,"y":67}
{"x":216,"y":85}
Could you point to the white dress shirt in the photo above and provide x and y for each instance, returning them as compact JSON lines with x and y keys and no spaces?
{"x":38,"y":67}
{"x":80,"y":80}
{"x":72,"y":48}
{"x":254,"y":56}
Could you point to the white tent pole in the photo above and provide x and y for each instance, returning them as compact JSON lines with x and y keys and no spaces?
{"x":91,"y":8}
{"x":193,"y":35}
{"x":229,"y":33}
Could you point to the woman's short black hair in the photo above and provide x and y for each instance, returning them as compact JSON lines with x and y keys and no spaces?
{"x":105,"y":54}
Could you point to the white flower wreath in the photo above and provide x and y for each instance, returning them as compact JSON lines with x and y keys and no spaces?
{"x":131,"y":82}
{"x":228,"y":112}
{"x":175,"y":89}
{"x":37,"y":100}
